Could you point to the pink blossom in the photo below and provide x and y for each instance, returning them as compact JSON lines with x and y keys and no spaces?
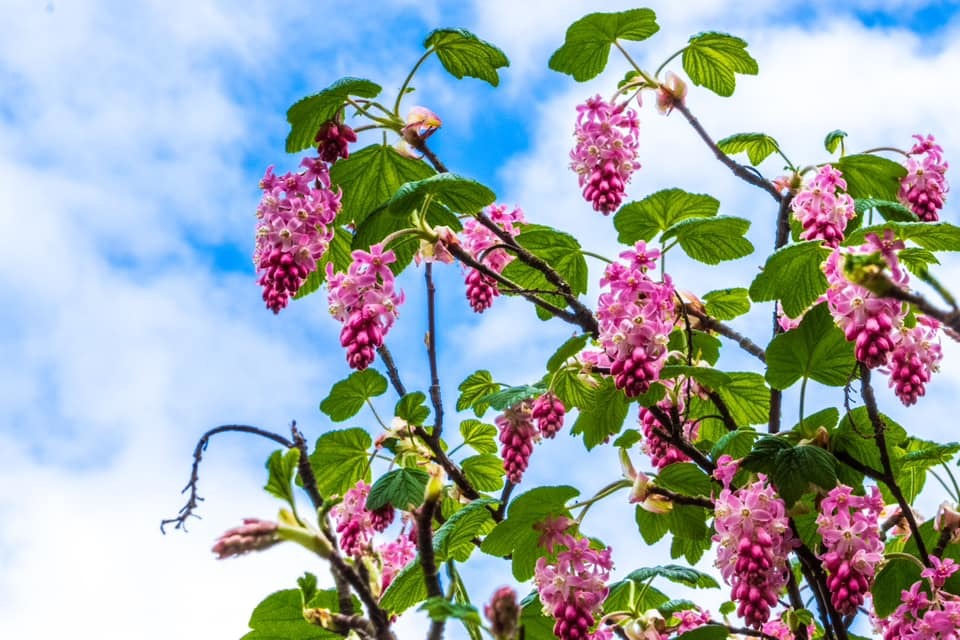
{"x":822,"y":209}
{"x":421,"y":124}
{"x":925,"y":617}
{"x":671,"y":92}
{"x":605,"y":155}
{"x":354,"y":522}
{"x":480,"y":241}
{"x":924,"y":187}
{"x":548,"y":413}
{"x":503,"y":612}
{"x":517,"y":435}
{"x":916,"y":356}
{"x":661,"y":452}
{"x":333,"y":140}
{"x":253,"y":535}
{"x":394,"y":556}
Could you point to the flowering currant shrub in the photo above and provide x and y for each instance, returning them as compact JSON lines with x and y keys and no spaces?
{"x":806,"y":531}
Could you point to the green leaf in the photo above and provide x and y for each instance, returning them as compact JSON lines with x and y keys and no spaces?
{"x":484,"y":471}
{"x":282,"y":466}
{"x":628,"y":595}
{"x":659,"y":211}
{"x":916,"y":260}
{"x":340,"y":459}
{"x":706,"y":632}
{"x":460,"y":194}
{"x":439,"y":609}
{"x":627,"y":439}
{"x":833,"y":139}
{"x":805,"y":519}
{"x":889,"y":210}
{"x":691,"y":536}
{"x":337,"y":253}
{"x":817,"y":349}
{"x":935,"y":236}
{"x":687,"y":576}
{"x":710,"y":378}
{"x":896,"y":575}
{"x":407,"y":589}
{"x":685,"y":478}
{"x":826,"y":418}
{"x":764,"y":455}
{"x":454,"y":539}
{"x":280,"y":617}
{"x":506,"y":398}
{"x":929,"y":454}
{"x":307,"y":115}
{"x":570,"y":387}
{"x":855,"y":437}
{"x":567,"y":350}
{"x":870,"y":176}
{"x":463,"y":54}
{"x":479,"y":436}
{"x":603,"y":416}
{"x":712,"y":240}
{"x":797,"y":467}
{"x":711,"y":59}
{"x":308,"y":585}
{"x":747,"y":398}
{"x":348,"y":396}
{"x":793,"y":276}
{"x":477,"y":385}
{"x":758,"y":146}
{"x":727,"y":304}
{"x":735,"y":444}
{"x":403,"y":488}
{"x":652,"y":526}
{"x":587,"y":44}
{"x":535,"y":625}
{"x":411,"y":408}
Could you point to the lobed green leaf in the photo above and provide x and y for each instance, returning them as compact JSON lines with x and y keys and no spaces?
{"x":586,"y":47}
{"x":712,"y":59}
{"x":659,"y":211}
{"x":307,"y":115}
{"x":463,"y":54}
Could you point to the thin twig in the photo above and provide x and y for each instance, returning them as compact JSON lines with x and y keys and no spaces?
{"x":679,"y":498}
{"x":454,"y":472}
{"x":950,"y":318}
{"x":435,"y":398}
{"x":428,"y":560}
{"x":813,"y":573}
{"x":796,"y":601}
{"x":712,"y":324}
{"x":188,"y":509}
{"x":393,"y":374}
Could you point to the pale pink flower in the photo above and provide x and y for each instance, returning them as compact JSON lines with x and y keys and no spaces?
{"x":605,"y":155}
{"x":924,"y":187}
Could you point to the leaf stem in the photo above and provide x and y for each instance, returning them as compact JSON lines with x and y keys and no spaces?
{"x":656,"y":74}
{"x":406,"y":81}
{"x":432,"y":353}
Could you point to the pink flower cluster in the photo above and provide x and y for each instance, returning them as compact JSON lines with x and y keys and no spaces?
{"x":926,"y":617}
{"x":355,"y":524}
{"x":924,"y":186}
{"x":822,"y":209}
{"x":479,"y":240}
{"x":548,"y":414}
{"x":333,"y":141}
{"x":365,"y":301}
{"x":517,"y":435}
{"x":754,"y":537}
{"x":876,"y":324}
{"x":394,"y":556}
{"x":636,"y":317}
{"x":849,"y":526}
{"x":573,"y":586}
{"x":661,"y":452}
{"x":294,"y":229}
{"x":605,"y":155}
{"x":253,"y":535}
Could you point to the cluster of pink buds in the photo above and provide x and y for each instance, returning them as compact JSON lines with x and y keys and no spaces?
{"x":355,"y":523}
{"x":365,"y":301}
{"x":394,"y":556}
{"x":294,"y":229}
{"x":876,"y":323}
{"x":548,"y":413}
{"x":503,"y":612}
{"x":924,"y":186}
{"x":822,"y":209}
{"x":661,"y":452}
{"x":480,"y":241}
{"x":333,"y":141}
{"x":517,"y":435}
{"x":925,"y":614}
{"x":253,"y":535}
{"x":636,"y":316}
{"x":691,"y":619}
{"x":573,"y":586}
{"x":850,"y":529}
{"x":778,"y":629}
{"x":605,"y":155}
{"x":754,"y":537}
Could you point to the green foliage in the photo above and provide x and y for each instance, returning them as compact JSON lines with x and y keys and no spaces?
{"x":889,"y":210}
{"x":338,"y":253}
{"x":727,"y":304}
{"x":536,"y":626}
{"x":340,"y":459}
{"x":411,"y":408}
{"x":896,"y":575}
{"x":935,"y":236}
{"x":792,"y":469}
{"x":817,"y":350}
{"x":460,"y":194}
{"x":571,"y":347}
{"x":477,"y":385}
{"x":454,"y":539}
{"x":706,"y":632}
{"x":870,"y":176}
{"x":479,"y":436}
{"x":833,"y":140}
{"x":793,"y":276}
{"x":506,"y":398}
{"x":370,"y":176}
{"x":282,"y":467}
{"x":735,"y":444}
{"x":709,"y":378}
{"x":686,"y":478}
{"x":659,"y":211}
{"x":484,"y":471}
{"x":380,"y":224}
{"x":569,"y":386}
{"x":407,"y":589}
{"x":747,"y":398}
{"x":440,"y":609}
{"x":307,"y":115}
{"x":403,"y":488}
{"x":603,"y":415}
{"x":587,"y":45}
{"x":463,"y":54}
{"x":758,"y":146}
{"x":652,"y":526}
{"x":712,"y":60}
{"x":712,"y":240}
{"x":348,"y":396}
{"x":280,"y":615}
{"x":691,"y":536}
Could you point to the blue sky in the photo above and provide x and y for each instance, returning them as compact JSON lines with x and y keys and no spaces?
{"x":132,"y":137}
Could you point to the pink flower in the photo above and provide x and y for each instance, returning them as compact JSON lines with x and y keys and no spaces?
{"x":671,"y":92}
{"x":661,"y":452}
{"x":354,"y":522}
{"x":253,"y":535}
{"x":480,"y":241}
{"x":822,"y":209}
{"x":916,"y":356}
{"x":503,"y":612}
{"x":333,"y":140}
{"x":605,"y":155}
{"x":394,"y":556}
{"x":548,"y":412}
{"x":924,"y":187}
{"x":517,"y":435}
{"x":421,"y":124}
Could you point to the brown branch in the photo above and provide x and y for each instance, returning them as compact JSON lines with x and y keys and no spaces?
{"x":379,"y":618}
{"x":943,"y":541}
{"x":712,"y":324}
{"x":796,"y":601}
{"x":453,"y":471}
{"x":679,"y":498}
{"x":432,"y":354}
{"x":813,"y":572}
{"x":427,"y":558}
{"x":746,"y":631}
{"x":783,"y":236}
{"x":188,"y":509}
{"x":949,"y":318}
{"x":393,"y":374}
{"x":724,"y":410}
{"x":671,"y":433}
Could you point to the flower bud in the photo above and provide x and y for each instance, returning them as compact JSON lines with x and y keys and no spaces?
{"x":503,"y":612}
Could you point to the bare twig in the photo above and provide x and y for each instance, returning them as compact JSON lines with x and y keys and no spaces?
{"x":712,"y":324}
{"x":393,"y":374}
{"x":950,"y":318}
{"x":435,"y":398}
{"x":428,"y":560}
{"x":679,"y":498}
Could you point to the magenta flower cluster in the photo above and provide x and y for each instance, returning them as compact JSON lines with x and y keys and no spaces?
{"x":926,"y":613}
{"x":365,"y":301}
{"x":849,"y":526}
{"x":394,"y":556}
{"x":479,"y":241}
{"x":924,"y":187}
{"x":355,"y":523}
{"x":548,"y":414}
{"x":517,"y":435}
{"x":573,"y":586}
{"x":754,"y":538}
{"x":294,"y":229}
{"x":605,"y":155}
{"x":636,"y":316}
{"x":661,"y":452}
{"x":822,"y":209}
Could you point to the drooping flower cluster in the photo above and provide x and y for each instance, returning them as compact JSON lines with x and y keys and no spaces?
{"x":822,"y":209}
{"x":691,"y":619}
{"x":573,"y":586}
{"x":517,"y":435}
{"x":294,"y":229}
{"x":394,"y":556}
{"x":365,"y":301}
{"x":636,"y":316}
{"x":479,"y":240}
{"x":925,"y":617}
{"x":849,"y":526}
{"x":333,"y":141}
{"x":355,"y":523}
{"x":253,"y":535}
{"x":661,"y":452}
{"x":924,"y":187}
{"x":548,"y":413}
{"x":916,"y":356}
{"x":503,"y":612}
{"x":605,"y":155}
{"x":754,"y":537}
